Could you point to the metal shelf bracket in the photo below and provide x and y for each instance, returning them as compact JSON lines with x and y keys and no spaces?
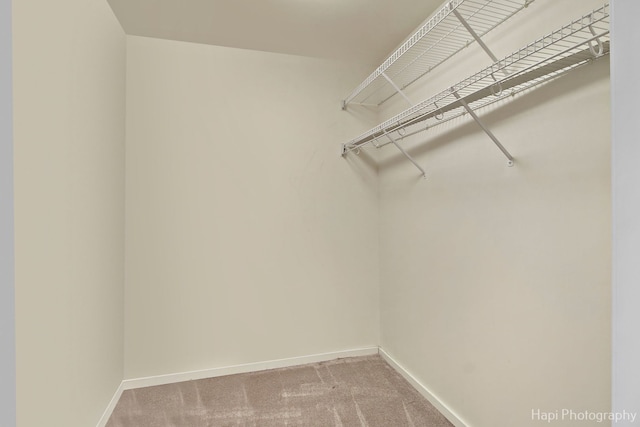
{"x":402,"y":150}
{"x":484,"y":127}
{"x":478,"y":39}
{"x":397,"y":89}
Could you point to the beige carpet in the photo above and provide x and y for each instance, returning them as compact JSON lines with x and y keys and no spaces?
{"x":361,"y":391}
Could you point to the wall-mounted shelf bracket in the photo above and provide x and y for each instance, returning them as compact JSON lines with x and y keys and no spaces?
{"x":402,"y":150}
{"x":475,"y":35}
{"x":477,"y":38}
{"x":397,"y":89}
{"x":483,"y":126}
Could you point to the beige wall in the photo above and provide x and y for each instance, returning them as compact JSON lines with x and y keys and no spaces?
{"x":495,"y":281}
{"x":248,"y":238}
{"x":69,"y":71}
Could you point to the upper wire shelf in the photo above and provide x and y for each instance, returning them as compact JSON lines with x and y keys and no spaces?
{"x":574,"y":44}
{"x":441,"y":37}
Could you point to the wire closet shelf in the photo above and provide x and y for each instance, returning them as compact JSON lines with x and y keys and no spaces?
{"x":557,"y":53}
{"x":441,"y":37}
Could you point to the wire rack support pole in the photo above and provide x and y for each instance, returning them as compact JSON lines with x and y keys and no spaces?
{"x":484,"y":127}
{"x":393,"y":141}
{"x":477,"y":38}
{"x":397,"y":89}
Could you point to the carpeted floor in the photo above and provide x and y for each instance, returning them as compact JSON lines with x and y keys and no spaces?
{"x":360,"y":391}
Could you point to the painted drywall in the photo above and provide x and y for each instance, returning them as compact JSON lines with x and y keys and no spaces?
{"x":69,"y":123}
{"x":248,"y":238}
{"x":626,"y":208}
{"x":495,"y":281}
{"x":323,"y":29}
{"x":7,"y":293}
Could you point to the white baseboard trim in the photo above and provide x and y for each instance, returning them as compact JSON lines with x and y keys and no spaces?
{"x":437,"y":403}
{"x":241,"y":369}
{"x":112,"y":405}
{"x":228,"y":370}
{"x":274,"y":364}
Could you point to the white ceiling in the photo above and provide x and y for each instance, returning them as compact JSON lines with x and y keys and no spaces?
{"x":359,"y":30}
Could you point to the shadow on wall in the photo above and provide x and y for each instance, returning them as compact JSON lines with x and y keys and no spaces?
{"x":363,"y":160}
{"x":503,"y":110}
